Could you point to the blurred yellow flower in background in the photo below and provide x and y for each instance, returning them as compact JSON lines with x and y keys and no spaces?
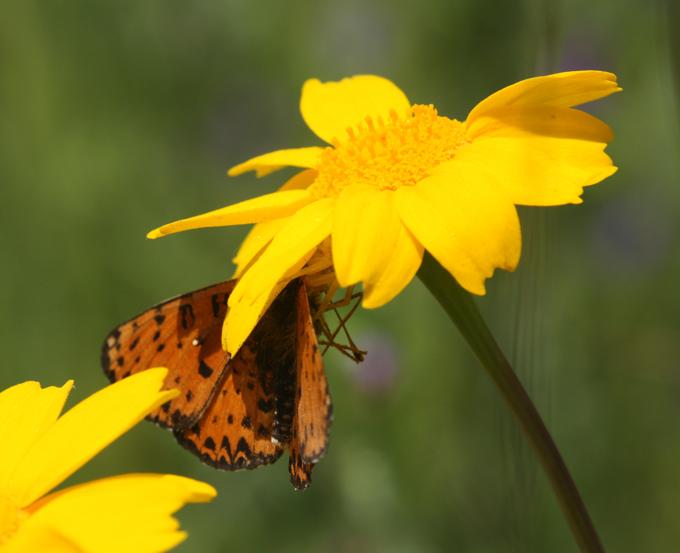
{"x":400,"y":178}
{"x":40,"y":449}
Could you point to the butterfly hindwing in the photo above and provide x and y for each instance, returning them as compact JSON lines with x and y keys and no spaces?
{"x":184,"y":335}
{"x":249,"y":421}
{"x":235,"y":431}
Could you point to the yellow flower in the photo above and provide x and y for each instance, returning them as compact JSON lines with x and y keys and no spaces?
{"x":400,"y":178}
{"x":40,"y":449}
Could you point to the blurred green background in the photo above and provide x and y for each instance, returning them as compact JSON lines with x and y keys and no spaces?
{"x":119,"y":115}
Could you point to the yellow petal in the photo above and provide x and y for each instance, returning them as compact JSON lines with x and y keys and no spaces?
{"x":273,"y":161}
{"x":371,"y":245}
{"x":287,"y":253}
{"x":567,"y":89}
{"x":255,"y":210}
{"x":262,"y":233}
{"x":539,"y":170}
{"x":465,"y":221}
{"x":124,"y":513}
{"x":28,"y":411}
{"x":398,"y":271}
{"x":523,"y":121}
{"x":330,"y":108}
{"x":365,"y":227}
{"x":85,"y":430}
{"x":33,"y":538}
{"x":301,"y":180}
{"x":254,"y":242}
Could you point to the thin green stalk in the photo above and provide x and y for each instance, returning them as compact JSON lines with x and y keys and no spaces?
{"x":464,"y":313}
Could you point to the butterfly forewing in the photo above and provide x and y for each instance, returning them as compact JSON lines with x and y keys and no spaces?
{"x":300,"y":472}
{"x":313,"y":408}
{"x":182,"y":334}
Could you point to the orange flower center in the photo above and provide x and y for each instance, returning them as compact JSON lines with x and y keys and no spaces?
{"x":399,"y":152}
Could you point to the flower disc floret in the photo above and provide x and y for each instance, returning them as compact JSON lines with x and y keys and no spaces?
{"x":389,"y":154}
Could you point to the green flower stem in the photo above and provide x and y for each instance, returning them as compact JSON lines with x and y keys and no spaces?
{"x":463,"y":311}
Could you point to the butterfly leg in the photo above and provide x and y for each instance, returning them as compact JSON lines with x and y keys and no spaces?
{"x":351,"y":350}
{"x":327,"y":301}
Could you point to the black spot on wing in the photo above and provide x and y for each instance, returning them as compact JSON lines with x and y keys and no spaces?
{"x":226,"y":458}
{"x":187,"y":317}
{"x":265,"y":405}
{"x":218,"y":301}
{"x":243,"y":447}
{"x":204,"y":370}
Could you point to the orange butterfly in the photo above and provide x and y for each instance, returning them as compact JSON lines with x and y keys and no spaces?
{"x":241,"y":412}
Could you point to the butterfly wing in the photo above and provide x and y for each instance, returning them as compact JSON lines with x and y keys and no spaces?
{"x":313,"y":408}
{"x":184,"y":335}
{"x":235,"y":431}
{"x":249,"y":421}
{"x":238,"y":413}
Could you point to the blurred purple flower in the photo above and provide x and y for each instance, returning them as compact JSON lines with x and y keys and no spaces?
{"x":378,"y":372}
